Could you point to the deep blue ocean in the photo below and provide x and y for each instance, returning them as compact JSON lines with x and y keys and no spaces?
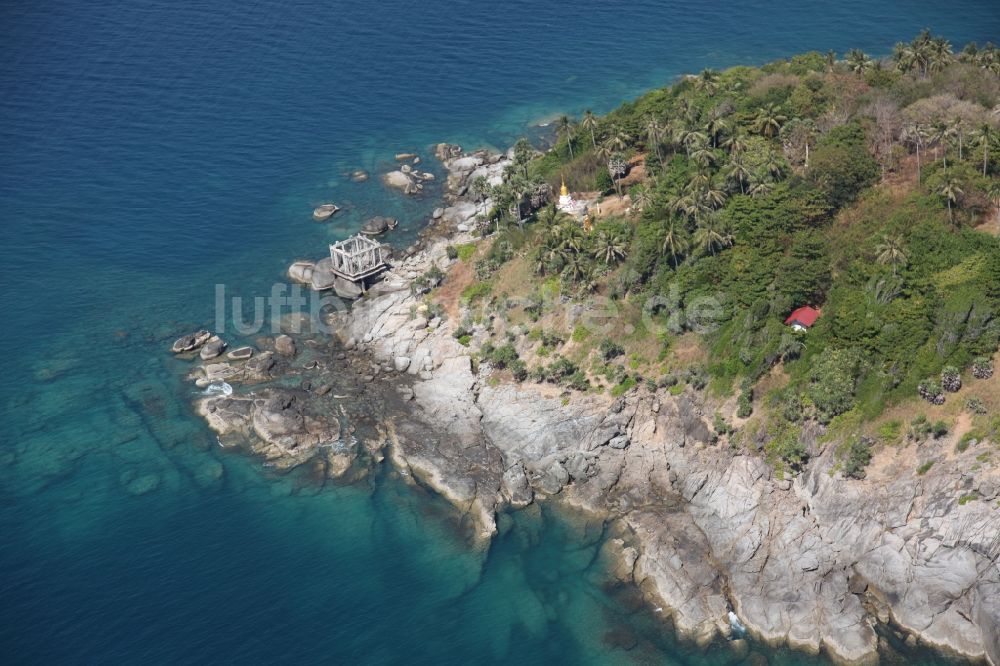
{"x":150,"y":149}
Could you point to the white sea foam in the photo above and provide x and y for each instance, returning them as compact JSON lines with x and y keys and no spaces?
{"x":218,"y":388}
{"x":736,"y":625}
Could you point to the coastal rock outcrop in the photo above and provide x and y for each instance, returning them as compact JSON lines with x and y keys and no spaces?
{"x":709,"y":532}
{"x":278,"y":425}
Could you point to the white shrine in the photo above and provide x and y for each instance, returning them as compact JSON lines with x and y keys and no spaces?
{"x":568,"y":204}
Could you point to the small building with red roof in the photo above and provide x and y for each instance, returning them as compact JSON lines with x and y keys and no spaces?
{"x":802,"y":318}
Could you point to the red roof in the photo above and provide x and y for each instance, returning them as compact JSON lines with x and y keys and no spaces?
{"x":804,"y":316}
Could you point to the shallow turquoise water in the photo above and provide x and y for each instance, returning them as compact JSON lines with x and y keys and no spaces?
{"x":149,"y":150}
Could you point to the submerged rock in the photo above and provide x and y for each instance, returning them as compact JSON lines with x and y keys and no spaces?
{"x":240,"y":354}
{"x":325,"y":212}
{"x":378,"y":225}
{"x":285,"y":345}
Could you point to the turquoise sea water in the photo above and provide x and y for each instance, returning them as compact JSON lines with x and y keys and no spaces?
{"x":151,"y":149}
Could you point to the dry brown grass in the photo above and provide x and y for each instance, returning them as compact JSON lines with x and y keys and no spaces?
{"x":459,"y":276}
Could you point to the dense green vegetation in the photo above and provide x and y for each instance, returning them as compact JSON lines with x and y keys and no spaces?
{"x":855,"y":186}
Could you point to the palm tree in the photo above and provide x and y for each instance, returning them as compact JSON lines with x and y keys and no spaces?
{"x":551,"y":217}
{"x":735,"y":143}
{"x":523,"y":152}
{"x":760,"y":184}
{"x":711,"y":234}
{"x":985,"y":136}
{"x":617,"y":140}
{"x":707,"y":81}
{"x":859,"y":62}
{"x":654,"y":134}
{"x":890,"y":251}
{"x":937,"y":135}
{"x":480,"y":188}
{"x":905,"y":56}
{"x":914,"y":135}
{"x":769,"y":120}
{"x":774,"y":166}
{"x":575,"y":267}
{"x":940,"y":54}
{"x":588,"y":124}
{"x":737,"y":172}
{"x":951,"y":191}
{"x":715,"y":126}
{"x":675,"y":239}
{"x":641,"y":197}
{"x":688,"y":136}
{"x":703,"y":155}
{"x":993,"y":192}
{"x":610,"y":248}
{"x":565,"y":129}
{"x":713,"y":197}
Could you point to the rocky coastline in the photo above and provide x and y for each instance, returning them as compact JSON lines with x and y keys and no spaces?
{"x":820,"y":563}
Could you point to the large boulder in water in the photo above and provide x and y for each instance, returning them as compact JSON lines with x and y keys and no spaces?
{"x":301,"y":272}
{"x":325,"y":212}
{"x":212,"y":348}
{"x":190,"y":342}
{"x":323,"y":276}
{"x":400,"y":181}
{"x":378,"y":225}
{"x":347,"y":289}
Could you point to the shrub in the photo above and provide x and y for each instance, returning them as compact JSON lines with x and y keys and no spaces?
{"x":969,"y":497}
{"x":975,"y":405}
{"x":785,"y":446}
{"x":501,"y":357}
{"x":833,"y":381}
{"x":668,"y":380}
{"x":519,"y":370}
{"x":720,"y":426}
{"x":464,"y":252}
{"x":610,"y":349}
{"x":920,"y":429}
{"x":951,"y":379}
{"x":451,"y":252}
{"x":889,"y":431}
{"x":939,"y":429}
{"x":578,"y":381}
{"x":967,"y":440}
{"x":475,"y":291}
{"x":931,"y":391}
{"x":744,"y":406}
{"x":551,"y":340}
{"x":859,"y":454}
{"x":580,"y":333}
{"x":623,"y":387}
{"x":982,"y":368}
{"x":926,"y":467}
